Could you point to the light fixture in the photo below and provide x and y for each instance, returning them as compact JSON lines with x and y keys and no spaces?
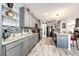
{"x":45,"y":13}
{"x":57,"y":14}
{"x":9,"y":13}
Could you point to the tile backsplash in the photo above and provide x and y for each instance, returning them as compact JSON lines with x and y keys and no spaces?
{"x":11,"y":29}
{"x":14,"y":30}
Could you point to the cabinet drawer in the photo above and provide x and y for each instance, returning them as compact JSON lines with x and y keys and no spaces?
{"x":12,"y":45}
{"x":14,"y":51}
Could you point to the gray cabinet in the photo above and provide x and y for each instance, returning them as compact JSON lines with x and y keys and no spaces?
{"x":24,"y":17}
{"x":62,"y":41}
{"x":20,"y":47}
{"x":26,"y":46}
{"x":31,"y":43}
{"x":16,"y":51}
{"x":33,"y":40}
{"x":0,"y":27}
{"x":21,"y":21}
{"x":27,"y":19}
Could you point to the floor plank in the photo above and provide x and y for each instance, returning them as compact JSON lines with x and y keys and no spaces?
{"x":46,"y":47}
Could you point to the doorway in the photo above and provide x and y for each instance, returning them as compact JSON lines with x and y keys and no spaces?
{"x":44,"y":30}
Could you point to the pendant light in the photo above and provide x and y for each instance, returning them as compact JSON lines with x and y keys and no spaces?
{"x":10,"y":12}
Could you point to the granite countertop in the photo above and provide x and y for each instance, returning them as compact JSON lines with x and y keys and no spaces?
{"x":17,"y":37}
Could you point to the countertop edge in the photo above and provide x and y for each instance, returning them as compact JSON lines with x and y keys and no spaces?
{"x":3,"y":43}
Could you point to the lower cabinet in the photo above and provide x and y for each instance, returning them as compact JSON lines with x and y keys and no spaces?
{"x":25,"y":47}
{"x":16,"y":51}
{"x":35,"y":39}
{"x":62,"y":41}
{"x":21,"y":47}
{"x":31,"y":43}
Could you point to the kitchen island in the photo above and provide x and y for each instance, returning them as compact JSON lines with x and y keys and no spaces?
{"x":63,"y":40}
{"x":19,"y":45}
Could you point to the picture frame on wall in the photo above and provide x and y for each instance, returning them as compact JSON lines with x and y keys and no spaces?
{"x":63,"y":25}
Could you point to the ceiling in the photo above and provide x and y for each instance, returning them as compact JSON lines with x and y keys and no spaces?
{"x":53,"y":11}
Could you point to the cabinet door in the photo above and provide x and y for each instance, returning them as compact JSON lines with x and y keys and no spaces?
{"x":0,"y":27}
{"x":65,"y":41}
{"x":22,"y":11}
{"x":30,"y":43}
{"x":25,"y":47}
{"x":16,"y":51}
{"x":27,"y":19}
{"x":62,"y":41}
{"x":31,"y":21}
{"x":33,"y":41}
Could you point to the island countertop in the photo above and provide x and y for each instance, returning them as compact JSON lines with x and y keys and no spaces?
{"x":58,"y":33}
{"x":17,"y":37}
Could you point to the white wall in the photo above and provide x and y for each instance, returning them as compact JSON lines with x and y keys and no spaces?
{"x":71,"y":27}
{"x":70,"y":24}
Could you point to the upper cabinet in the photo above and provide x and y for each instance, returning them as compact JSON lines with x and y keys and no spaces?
{"x":0,"y":15}
{"x":31,"y":21}
{"x":22,"y":11}
{"x":24,"y":17}
{"x":27,"y":19}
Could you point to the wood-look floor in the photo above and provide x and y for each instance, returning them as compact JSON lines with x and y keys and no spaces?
{"x":46,"y":47}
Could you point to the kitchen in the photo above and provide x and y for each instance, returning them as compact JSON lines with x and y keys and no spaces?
{"x":23,"y":27}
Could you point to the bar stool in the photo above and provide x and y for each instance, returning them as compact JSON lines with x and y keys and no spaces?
{"x":73,"y":39}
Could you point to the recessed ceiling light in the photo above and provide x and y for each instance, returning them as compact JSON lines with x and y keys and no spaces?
{"x":57,"y":14}
{"x":52,"y":16}
{"x":45,"y":13}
